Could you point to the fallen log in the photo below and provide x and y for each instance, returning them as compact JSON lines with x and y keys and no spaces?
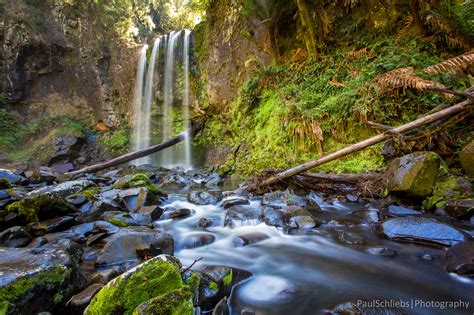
{"x":141,"y":153}
{"x":450,"y":111}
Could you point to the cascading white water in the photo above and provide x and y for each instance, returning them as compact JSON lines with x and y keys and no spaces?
{"x":139,"y":117}
{"x":144,"y":131}
{"x":187,"y":142}
{"x":173,"y":68}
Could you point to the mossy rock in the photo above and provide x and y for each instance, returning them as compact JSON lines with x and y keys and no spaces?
{"x":138,"y":180}
{"x":175,"y":302}
{"x":466,"y":157}
{"x":35,"y":281}
{"x":48,"y":202}
{"x":154,"y":278}
{"x":414,"y":174}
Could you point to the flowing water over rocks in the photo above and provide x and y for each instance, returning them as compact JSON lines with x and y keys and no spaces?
{"x":275,"y":254}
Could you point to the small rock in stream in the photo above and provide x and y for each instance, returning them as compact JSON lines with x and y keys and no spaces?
{"x":204,"y":222}
{"x":381,"y":251}
{"x":459,"y":208}
{"x":248,"y":239}
{"x":402,"y":211}
{"x":226,"y":204}
{"x":197,"y":240}
{"x":460,"y":258}
{"x":15,"y":236}
{"x":180,"y":213}
{"x":204,"y":197}
{"x":272,"y":217}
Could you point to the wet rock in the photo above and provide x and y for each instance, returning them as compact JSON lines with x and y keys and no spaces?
{"x":15,"y":236}
{"x":41,"y":175}
{"x":363,"y":308}
{"x":299,"y":218}
{"x":222,"y":308}
{"x":250,"y":238}
{"x":93,"y":210}
{"x":76,"y":200}
{"x":4,"y":194}
{"x":367,"y":216}
{"x":273,"y":199}
{"x":459,"y":208}
{"x":105,"y":227}
{"x":247,"y":311}
{"x":466,"y":157}
{"x":180,"y":213}
{"x":241,"y":215}
{"x":136,"y":198}
{"x":217,"y":282}
{"x":204,"y":197}
{"x":7,"y":175}
{"x":291,"y":199}
{"x":204,"y":222}
{"x":173,"y":181}
{"x":138,"y":180}
{"x":352,"y":198}
{"x":36,"y":280}
{"x":197,"y":240}
{"x":93,"y":239}
{"x":460,"y":258}
{"x":121,"y":246}
{"x":48,"y":202}
{"x":272,"y":217}
{"x":78,"y":303}
{"x":104,"y":276}
{"x":153,"y":212}
{"x":420,"y":230}
{"x":226,"y":204}
{"x":49,"y":226}
{"x":381,"y":251}
{"x":414,"y":174}
{"x":401,"y":211}
{"x":119,"y":218}
{"x":126,"y":293}
{"x":350,"y":238}
{"x":213,"y":180}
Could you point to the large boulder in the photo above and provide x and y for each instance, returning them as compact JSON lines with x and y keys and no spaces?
{"x":122,"y":246}
{"x":466,"y":157}
{"x":414,"y":174}
{"x":156,"y":281}
{"x":421,"y":230}
{"x":34,"y":281}
{"x":48,"y":202}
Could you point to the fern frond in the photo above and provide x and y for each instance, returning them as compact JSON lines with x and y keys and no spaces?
{"x":357,"y":54}
{"x":456,"y":65}
{"x":402,"y":79}
{"x":406,"y":28}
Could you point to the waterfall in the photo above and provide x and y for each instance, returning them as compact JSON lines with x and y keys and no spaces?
{"x":173,"y":85}
{"x":187,"y":142}
{"x":139,"y":117}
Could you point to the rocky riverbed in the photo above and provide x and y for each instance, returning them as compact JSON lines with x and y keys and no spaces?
{"x":148,"y":240}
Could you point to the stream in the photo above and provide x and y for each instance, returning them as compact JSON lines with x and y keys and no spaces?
{"x":319,"y":268}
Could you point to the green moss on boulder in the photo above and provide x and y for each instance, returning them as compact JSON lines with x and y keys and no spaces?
{"x":138,"y":180}
{"x":154,"y":278}
{"x":175,"y":302}
{"x":414,"y":174}
{"x":466,"y":157}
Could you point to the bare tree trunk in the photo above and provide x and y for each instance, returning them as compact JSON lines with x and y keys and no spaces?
{"x":138,"y":154}
{"x":455,"y":109}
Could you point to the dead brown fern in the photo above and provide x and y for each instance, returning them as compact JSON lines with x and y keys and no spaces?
{"x":456,"y":65}
{"x":305,"y":132}
{"x":446,"y":32}
{"x":405,"y":29}
{"x":363,"y":52}
{"x":400,"y":80}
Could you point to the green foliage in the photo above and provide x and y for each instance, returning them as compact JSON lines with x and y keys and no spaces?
{"x":22,"y":141}
{"x":117,"y":141}
{"x":288,"y":114}
{"x":138,"y":180}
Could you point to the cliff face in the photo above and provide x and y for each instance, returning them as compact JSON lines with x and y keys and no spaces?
{"x":229,"y":48}
{"x":60,"y":59}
